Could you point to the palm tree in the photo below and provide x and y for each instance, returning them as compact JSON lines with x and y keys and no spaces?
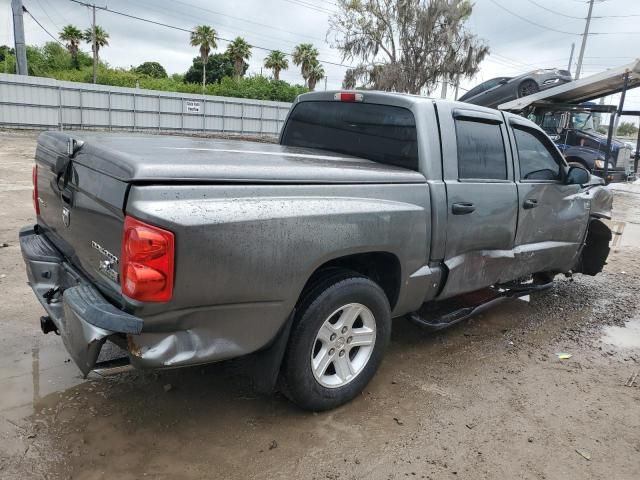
{"x":239,"y":51}
{"x":72,"y":36}
{"x":316,"y":72}
{"x":204,"y":37}
{"x":102,"y":39}
{"x":276,"y":61}
{"x":305,"y":55}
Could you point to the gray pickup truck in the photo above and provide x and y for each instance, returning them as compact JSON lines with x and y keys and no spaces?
{"x":186,"y":251}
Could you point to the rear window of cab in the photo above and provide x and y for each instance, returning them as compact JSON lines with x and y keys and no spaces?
{"x":382,"y":133}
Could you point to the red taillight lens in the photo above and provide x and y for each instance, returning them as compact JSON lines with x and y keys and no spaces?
{"x":147,"y":261}
{"x":34,"y":193}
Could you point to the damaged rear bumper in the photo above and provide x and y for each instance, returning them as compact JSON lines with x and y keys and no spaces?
{"x":82,"y":316}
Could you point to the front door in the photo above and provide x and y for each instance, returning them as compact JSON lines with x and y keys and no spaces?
{"x":481,"y":198}
{"x":552,"y":216}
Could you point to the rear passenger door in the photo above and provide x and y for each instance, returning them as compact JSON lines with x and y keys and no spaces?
{"x":482,"y":204}
{"x":552,"y":216}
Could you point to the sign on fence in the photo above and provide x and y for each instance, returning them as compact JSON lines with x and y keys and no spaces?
{"x":192,"y":106}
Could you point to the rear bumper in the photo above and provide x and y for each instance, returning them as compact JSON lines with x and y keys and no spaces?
{"x":82,"y":316}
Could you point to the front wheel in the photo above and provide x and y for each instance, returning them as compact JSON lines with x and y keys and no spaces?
{"x":342,"y":329}
{"x":528,"y":87}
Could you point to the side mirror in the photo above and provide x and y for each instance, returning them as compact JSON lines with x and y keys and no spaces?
{"x":578,"y":176}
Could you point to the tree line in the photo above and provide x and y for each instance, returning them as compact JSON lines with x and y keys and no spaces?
{"x":406,"y":46}
{"x":205,"y":39}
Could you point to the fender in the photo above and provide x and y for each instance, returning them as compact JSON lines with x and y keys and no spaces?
{"x":585,"y":155}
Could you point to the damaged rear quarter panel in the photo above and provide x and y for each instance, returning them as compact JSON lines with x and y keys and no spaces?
{"x":244,"y":253}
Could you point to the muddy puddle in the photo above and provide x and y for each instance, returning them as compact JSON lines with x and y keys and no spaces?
{"x":625,"y":338}
{"x":30,"y":375}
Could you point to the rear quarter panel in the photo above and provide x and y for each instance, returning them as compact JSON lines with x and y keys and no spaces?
{"x":253,"y":246}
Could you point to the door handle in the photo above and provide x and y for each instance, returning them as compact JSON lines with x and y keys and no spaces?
{"x":530,"y":203}
{"x":462,"y":208}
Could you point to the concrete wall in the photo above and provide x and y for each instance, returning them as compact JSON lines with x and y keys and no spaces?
{"x":35,"y":102}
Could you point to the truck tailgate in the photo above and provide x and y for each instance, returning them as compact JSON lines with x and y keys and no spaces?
{"x":81,"y":212}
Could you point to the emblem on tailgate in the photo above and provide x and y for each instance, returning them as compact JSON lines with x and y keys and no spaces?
{"x":109,"y":266}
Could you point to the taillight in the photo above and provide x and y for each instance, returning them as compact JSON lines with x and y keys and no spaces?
{"x":147,"y":261}
{"x":348,"y":97}
{"x":34,"y":193}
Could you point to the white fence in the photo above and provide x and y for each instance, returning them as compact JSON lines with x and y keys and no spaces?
{"x":35,"y":102}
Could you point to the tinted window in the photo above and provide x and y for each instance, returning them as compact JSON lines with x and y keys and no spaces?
{"x":537,"y":162}
{"x":381,"y":133}
{"x":491,"y":83}
{"x":474,"y":91}
{"x":480,"y":150}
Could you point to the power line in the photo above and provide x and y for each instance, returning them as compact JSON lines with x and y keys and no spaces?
{"x":524,"y":19}
{"x":184,"y":14}
{"x":555,"y":12}
{"x":271,"y":27}
{"x":24,"y":9}
{"x":531,"y":21}
{"x":311,"y":6}
{"x":47,"y":14}
{"x":187,"y":30}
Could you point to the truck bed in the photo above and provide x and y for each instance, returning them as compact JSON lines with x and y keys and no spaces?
{"x":138,"y":158}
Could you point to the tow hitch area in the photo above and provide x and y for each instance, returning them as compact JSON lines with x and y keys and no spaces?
{"x":443,"y":314}
{"x":47,"y":325}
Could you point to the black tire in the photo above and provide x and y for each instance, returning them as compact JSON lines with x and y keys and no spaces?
{"x":528,"y":87}
{"x":328,"y":294}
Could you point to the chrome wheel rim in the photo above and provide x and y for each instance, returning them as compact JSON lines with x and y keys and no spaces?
{"x":343,"y":345}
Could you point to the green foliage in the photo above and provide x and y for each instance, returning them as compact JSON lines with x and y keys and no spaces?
{"x":52,"y":57}
{"x":306,"y":56}
{"x":276,"y":61}
{"x":72,"y":36}
{"x":4,"y":51}
{"x":627,"y":129}
{"x":257,"y":87}
{"x":219,"y":65}
{"x":54,"y":61}
{"x":102,"y":37}
{"x":152,"y":69}
{"x":239,"y":51}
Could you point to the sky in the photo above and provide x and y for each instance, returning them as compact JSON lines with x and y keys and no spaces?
{"x":522,"y":34}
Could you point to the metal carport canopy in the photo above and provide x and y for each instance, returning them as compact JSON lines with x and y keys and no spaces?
{"x":588,"y":88}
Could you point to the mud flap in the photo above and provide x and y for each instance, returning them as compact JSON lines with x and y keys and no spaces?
{"x":596,"y":249}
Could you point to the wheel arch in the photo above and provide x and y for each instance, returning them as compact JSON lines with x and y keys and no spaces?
{"x":381,"y":267}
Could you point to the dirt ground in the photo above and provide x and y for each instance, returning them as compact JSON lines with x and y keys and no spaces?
{"x":486,"y":399}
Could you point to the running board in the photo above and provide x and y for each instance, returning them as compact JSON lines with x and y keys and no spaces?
{"x":439,"y":315}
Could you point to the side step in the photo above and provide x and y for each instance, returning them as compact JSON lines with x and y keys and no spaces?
{"x":439,"y":315}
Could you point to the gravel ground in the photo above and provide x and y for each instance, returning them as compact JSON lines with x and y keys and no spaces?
{"x":488,"y":398}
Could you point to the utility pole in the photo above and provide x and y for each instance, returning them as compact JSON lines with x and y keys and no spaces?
{"x":443,"y":93}
{"x":584,"y":40}
{"x":93,"y":41}
{"x":455,"y":95}
{"x":18,"y":35}
{"x":325,"y":83}
{"x":573,"y":47}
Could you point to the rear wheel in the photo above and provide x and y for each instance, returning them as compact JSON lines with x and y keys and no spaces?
{"x":342,"y":329}
{"x":528,"y":87}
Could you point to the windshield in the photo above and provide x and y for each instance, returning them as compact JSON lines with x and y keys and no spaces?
{"x":582,"y":121}
{"x":551,"y":122}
